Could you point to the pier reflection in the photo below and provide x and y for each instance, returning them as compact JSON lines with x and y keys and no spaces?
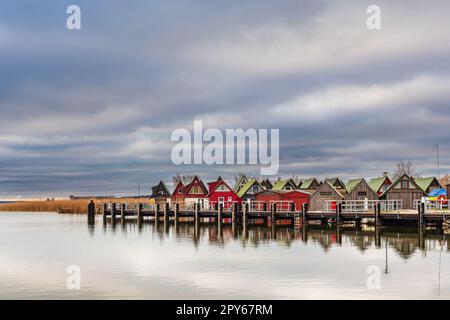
{"x":405,"y":241}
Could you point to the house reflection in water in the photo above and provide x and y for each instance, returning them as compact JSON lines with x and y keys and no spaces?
{"x":404,"y":241}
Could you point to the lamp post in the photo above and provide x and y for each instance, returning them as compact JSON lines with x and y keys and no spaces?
{"x":436,"y":149}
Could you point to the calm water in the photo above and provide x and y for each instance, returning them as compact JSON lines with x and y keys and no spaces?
{"x":159,"y":262}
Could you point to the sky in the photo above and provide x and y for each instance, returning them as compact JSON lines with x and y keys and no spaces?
{"x":91,"y":111}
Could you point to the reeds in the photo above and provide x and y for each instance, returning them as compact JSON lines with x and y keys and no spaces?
{"x":62,"y":206}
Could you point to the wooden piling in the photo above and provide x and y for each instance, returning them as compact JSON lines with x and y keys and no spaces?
{"x":122,"y":212}
{"x":273,"y":214}
{"x":304,"y":213}
{"x":166,"y":211}
{"x":377,"y":214}
{"x":421,"y":213}
{"x":139,"y":212}
{"x":245,"y":212}
{"x":338,"y":213}
{"x":234,"y":210}
{"x":113,"y":213}
{"x":197,"y":212}
{"x":105,"y":208}
{"x":176,"y":213}
{"x":91,"y":212}
{"x":219,"y":214}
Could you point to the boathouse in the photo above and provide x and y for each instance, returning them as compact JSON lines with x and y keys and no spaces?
{"x":178,"y":193}
{"x":337,"y":183}
{"x":359,"y":190}
{"x":283,"y":198}
{"x":310,"y":185}
{"x":326,"y":197}
{"x":221,"y":193}
{"x":240,"y":183}
{"x":380,"y":184}
{"x":267,"y":184}
{"x":286,"y":185}
{"x":428,"y":184}
{"x":196,"y":192}
{"x":406,"y":190}
{"x":249,"y":190}
{"x":161,"y":194}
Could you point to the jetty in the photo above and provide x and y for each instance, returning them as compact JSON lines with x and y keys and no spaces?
{"x":377,"y":212}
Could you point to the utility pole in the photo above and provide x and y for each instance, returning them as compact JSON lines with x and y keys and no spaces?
{"x":436,"y":149}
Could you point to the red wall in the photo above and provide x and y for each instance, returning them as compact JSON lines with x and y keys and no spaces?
{"x":299,"y":198}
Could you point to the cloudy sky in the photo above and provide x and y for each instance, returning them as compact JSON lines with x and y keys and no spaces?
{"x":91,"y":111}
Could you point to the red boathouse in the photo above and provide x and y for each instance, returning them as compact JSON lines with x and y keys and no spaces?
{"x":220,"y":192}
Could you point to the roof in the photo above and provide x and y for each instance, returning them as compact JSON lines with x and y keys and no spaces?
{"x":307,"y":183}
{"x":283,"y":192}
{"x":282,"y":183}
{"x":247,"y":187}
{"x":333,"y":181}
{"x":241,"y":182}
{"x":200,"y":182}
{"x":351,"y":184}
{"x":332,"y":187}
{"x":213,"y":186}
{"x":398,"y":180}
{"x":424,"y":183}
{"x":376,"y":183}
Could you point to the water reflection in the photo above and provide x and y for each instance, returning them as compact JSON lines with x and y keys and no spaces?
{"x":405,"y":241}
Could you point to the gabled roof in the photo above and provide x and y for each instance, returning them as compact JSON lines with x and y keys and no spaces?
{"x":282,"y":183}
{"x":376,"y":183}
{"x":200,"y":182}
{"x":326,"y":182}
{"x":178,"y":186}
{"x":267,"y":184}
{"x":398,"y":181}
{"x":213,"y":186}
{"x":336,"y":180}
{"x":351,"y":184}
{"x":425,"y":183}
{"x":438,"y":193}
{"x":241,"y":182}
{"x":308,"y":182}
{"x":247,"y":187}
{"x":161,"y":186}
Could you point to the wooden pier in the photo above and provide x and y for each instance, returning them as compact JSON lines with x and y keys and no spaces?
{"x":376,"y":212}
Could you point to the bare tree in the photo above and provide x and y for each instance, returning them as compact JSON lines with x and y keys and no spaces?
{"x":404,"y":167}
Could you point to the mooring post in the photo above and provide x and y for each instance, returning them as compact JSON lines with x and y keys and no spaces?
{"x":377,"y":213}
{"x":245,"y":212}
{"x":304,"y":213}
{"x":156,"y":211}
{"x":234,"y":210}
{"x":113,"y":213}
{"x":91,"y":212}
{"x":338,"y":213}
{"x":139,"y":212}
{"x":176,"y":213}
{"x":105,"y":208}
{"x":166,"y":211}
{"x":265,"y":206}
{"x":273,"y":214}
{"x":122,"y":212}
{"x":219,"y":214}
{"x":197,"y":212}
{"x":421,"y":213}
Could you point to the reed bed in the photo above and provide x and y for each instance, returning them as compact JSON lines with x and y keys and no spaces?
{"x":63,"y":206}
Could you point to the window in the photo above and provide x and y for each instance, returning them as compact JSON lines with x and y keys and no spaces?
{"x":326,"y":193}
{"x":288,"y":188}
{"x":222,"y":188}
{"x":405,"y":184}
{"x":230,"y":199}
{"x":362,"y":193}
{"x":195,"y":190}
{"x":221,"y":199}
{"x":180,"y":191}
